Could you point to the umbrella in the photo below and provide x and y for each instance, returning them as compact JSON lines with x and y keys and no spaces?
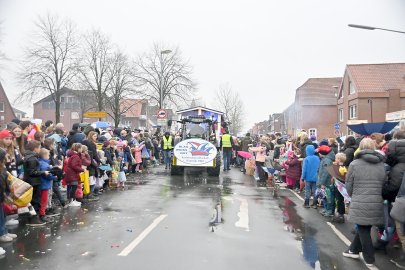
{"x":369,"y":128}
{"x":244,"y":154}
{"x":100,"y":124}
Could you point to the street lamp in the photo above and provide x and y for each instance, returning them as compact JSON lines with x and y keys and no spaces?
{"x":370,"y":101}
{"x":374,"y":28}
{"x":161,"y":68}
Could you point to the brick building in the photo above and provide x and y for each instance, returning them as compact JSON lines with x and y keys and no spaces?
{"x":277,"y":123}
{"x":6,"y":111}
{"x":134,"y":113}
{"x":74,"y":103}
{"x":369,"y":91}
{"x":315,"y":107}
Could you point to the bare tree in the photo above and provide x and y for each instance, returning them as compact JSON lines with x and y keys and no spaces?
{"x":165,"y":76}
{"x":123,"y":88}
{"x":96,"y":70}
{"x":229,"y":102}
{"x":50,"y":60}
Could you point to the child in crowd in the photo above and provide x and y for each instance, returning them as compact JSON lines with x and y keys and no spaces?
{"x":340,"y":203}
{"x":74,"y":168}
{"x":32,"y":175}
{"x":325,"y":179}
{"x":293,"y":170}
{"x":137,"y":154}
{"x":4,"y":189}
{"x":46,"y":183}
{"x":123,"y":164}
{"x":310,"y":173}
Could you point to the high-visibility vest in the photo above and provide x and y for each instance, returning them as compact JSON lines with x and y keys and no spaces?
{"x":167,"y":143}
{"x":226,"y":141}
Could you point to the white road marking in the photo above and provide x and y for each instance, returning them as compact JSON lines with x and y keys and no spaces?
{"x":142,"y":236}
{"x":243,"y":215}
{"x":339,"y":234}
{"x":297,"y":195}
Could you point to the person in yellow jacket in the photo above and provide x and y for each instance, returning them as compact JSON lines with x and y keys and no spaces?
{"x":227,"y":145}
{"x":167,"y":147}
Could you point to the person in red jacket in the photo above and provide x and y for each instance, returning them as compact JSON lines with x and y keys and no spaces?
{"x":74,"y":168}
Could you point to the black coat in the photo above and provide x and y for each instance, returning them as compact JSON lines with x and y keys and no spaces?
{"x":4,"y":187}
{"x":32,"y":172}
{"x":349,"y":152}
{"x":395,"y":159}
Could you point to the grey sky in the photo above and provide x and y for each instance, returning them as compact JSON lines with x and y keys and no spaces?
{"x":263,"y":49}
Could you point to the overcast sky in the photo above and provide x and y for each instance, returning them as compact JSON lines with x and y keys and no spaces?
{"x":263,"y":49}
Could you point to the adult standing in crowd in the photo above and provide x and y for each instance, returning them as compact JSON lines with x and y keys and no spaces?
{"x":364,"y":182}
{"x":167,"y":146}
{"x":226,"y":144}
{"x":75,"y":135}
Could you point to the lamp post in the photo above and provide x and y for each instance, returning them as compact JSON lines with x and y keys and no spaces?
{"x":370,"y":101}
{"x":374,"y":28}
{"x":161,"y":69}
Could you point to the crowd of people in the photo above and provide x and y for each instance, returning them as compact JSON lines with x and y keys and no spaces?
{"x":360,"y":176}
{"x":86,"y":161}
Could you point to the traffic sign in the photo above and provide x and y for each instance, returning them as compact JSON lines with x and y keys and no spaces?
{"x":162,"y":122}
{"x":161,"y":114}
{"x":337,"y":126}
{"x":95,"y":114}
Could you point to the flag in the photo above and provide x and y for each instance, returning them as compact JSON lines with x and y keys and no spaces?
{"x":342,"y":189}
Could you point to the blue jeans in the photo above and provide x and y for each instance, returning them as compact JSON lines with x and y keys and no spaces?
{"x":167,"y":157}
{"x":227,"y":154}
{"x":310,"y":187}
{"x":3,"y":229}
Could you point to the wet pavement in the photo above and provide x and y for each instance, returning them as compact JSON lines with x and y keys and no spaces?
{"x":183,"y":222}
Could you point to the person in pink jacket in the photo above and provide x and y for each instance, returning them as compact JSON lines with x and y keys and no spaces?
{"x":137,"y":154}
{"x":260,"y":157}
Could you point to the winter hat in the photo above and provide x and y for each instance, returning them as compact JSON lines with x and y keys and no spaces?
{"x":312,"y":138}
{"x":324,"y":142}
{"x":11,"y":126}
{"x":324,"y":150}
{"x":6,"y":134}
{"x":48,"y":123}
{"x":106,"y":143}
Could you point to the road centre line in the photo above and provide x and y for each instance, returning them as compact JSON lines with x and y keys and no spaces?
{"x":142,"y":236}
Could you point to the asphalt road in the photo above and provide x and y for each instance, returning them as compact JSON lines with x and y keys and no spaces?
{"x":163,"y":222}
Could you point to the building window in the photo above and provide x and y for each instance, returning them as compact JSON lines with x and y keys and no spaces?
{"x":62,"y":114}
{"x":312,"y":132}
{"x":340,"y":115}
{"x":62,"y":99}
{"x":351,"y":88}
{"x":1,"y":106}
{"x":352,"y":111}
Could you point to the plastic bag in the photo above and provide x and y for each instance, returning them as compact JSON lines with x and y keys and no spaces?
{"x":79,"y":192}
{"x":85,"y":179}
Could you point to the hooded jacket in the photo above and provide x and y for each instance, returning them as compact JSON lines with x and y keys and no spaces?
{"x":46,"y":180}
{"x":364,"y":182}
{"x":294,"y":168}
{"x":245,"y":143}
{"x":324,"y":178}
{"x":74,"y":167}
{"x":32,"y":171}
{"x":310,"y":165}
{"x":75,"y":136}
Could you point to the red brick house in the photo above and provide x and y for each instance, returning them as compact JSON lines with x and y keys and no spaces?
{"x":74,"y":103}
{"x":369,"y":91}
{"x":6,"y":111}
{"x":315,"y":107}
{"x":134,"y":113}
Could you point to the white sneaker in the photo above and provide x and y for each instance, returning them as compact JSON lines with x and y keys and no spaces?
{"x":2,"y":251}
{"x":12,"y":222}
{"x":12,"y":235}
{"x":75,"y":204}
{"x":5,"y":238}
